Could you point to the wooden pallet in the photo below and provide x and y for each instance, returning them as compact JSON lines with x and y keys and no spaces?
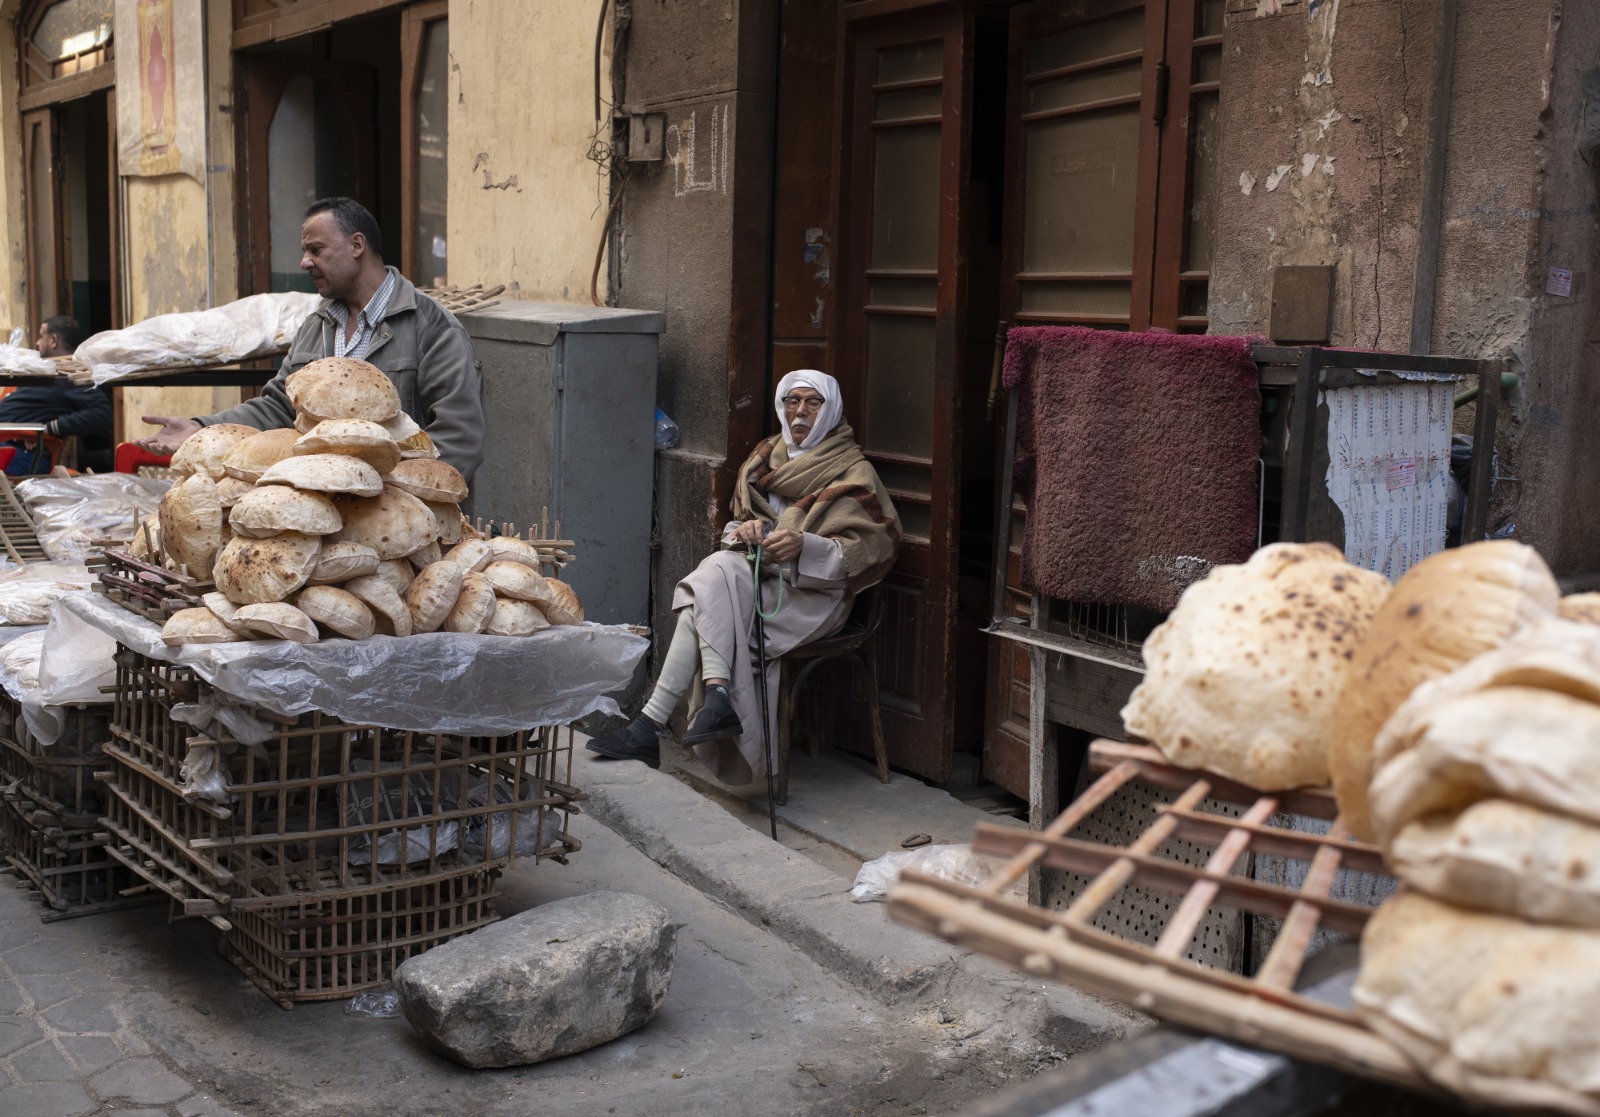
{"x":1264,"y":1010}
{"x":151,"y":591}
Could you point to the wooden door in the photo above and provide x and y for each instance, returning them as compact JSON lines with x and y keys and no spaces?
{"x":308,"y":134}
{"x":47,"y":274}
{"x":907,"y":90}
{"x":1110,"y":187}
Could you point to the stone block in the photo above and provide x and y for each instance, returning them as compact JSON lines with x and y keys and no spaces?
{"x":552,"y":981}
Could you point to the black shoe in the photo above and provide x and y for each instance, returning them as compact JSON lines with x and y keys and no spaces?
{"x":638,"y":740}
{"x":715,"y":719}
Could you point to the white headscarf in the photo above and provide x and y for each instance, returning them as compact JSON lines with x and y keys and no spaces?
{"x":828,"y":418}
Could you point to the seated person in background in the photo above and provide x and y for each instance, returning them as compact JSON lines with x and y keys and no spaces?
{"x":66,"y":410}
{"x":372,"y":312}
{"x":826,"y":526}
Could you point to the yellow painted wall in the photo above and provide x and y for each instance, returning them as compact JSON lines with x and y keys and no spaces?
{"x":13,"y":258}
{"x":167,"y":270}
{"x":526,"y":204}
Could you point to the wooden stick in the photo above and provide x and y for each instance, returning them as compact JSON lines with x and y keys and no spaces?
{"x":1288,"y":951}
{"x":1179,"y":932}
{"x":1081,"y":808}
{"x":1222,"y":1012}
{"x":1115,"y":876}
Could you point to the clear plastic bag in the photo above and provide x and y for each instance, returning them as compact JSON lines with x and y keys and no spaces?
{"x":488,"y":836}
{"x":956,"y":863}
{"x":201,"y":775}
{"x":381,"y":1004}
{"x":27,"y":592}
{"x":71,"y":513}
{"x":77,"y":662}
{"x":245,"y":328}
{"x":15,"y":357}
{"x":409,"y":796}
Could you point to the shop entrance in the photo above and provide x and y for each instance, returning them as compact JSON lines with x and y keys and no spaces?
{"x":321,"y":118}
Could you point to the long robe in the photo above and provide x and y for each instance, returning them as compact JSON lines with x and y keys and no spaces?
{"x":832,"y":488}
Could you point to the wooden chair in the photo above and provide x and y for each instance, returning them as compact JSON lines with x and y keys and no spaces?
{"x":853,"y":642}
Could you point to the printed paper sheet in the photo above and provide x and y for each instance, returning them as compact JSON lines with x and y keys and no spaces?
{"x":1389,"y":456}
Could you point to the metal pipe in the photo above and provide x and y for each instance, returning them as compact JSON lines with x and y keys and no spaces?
{"x":1430,"y":223}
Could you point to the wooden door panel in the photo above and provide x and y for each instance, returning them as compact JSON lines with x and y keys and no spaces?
{"x":42,"y":194}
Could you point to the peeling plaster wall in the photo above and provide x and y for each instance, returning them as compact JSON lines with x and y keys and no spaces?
{"x":527,"y":204}
{"x":14,"y":259}
{"x":165,"y":243}
{"x":693,"y":231}
{"x":1324,"y":133}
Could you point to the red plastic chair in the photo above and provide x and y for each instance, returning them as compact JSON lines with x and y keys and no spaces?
{"x":130,"y":456}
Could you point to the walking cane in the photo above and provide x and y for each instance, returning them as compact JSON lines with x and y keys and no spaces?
{"x":761,"y":657}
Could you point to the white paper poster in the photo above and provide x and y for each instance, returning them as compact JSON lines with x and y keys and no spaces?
{"x":1389,"y":455}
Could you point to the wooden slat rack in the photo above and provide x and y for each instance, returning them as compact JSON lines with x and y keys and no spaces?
{"x":1264,"y":1010}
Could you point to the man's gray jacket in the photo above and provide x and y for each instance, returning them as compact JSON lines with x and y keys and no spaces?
{"x":421,"y":347}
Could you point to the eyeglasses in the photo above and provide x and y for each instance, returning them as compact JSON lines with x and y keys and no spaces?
{"x":797,"y":403}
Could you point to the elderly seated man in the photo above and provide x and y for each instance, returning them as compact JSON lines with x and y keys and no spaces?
{"x":825,"y":526}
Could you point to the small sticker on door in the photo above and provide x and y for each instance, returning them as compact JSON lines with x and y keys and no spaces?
{"x":1402,"y":473}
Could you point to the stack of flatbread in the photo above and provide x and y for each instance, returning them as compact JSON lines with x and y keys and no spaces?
{"x":1485,"y":793}
{"x":339,"y":527}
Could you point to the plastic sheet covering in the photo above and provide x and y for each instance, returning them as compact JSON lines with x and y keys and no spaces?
{"x":19,"y":675}
{"x":27,"y":592}
{"x":236,"y":331}
{"x":17,"y":359}
{"x":437,"y":682}
{"x":955,"y":863}
{"x":71,"y":512}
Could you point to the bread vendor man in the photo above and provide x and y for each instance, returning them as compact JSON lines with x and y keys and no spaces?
{"x":817,"y":509}
{"x":370,"y":311}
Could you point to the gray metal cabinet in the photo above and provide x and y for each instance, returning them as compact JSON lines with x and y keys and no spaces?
{"x":569,"y":396}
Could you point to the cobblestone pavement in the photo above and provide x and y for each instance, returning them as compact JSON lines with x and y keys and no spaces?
{"x":66,"y":1049}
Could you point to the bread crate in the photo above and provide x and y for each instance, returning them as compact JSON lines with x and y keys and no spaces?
{"x":319,"y":807}
{"x":330,"y":948}
{"x":49,"y":821}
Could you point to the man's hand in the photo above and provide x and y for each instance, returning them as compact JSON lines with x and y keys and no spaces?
{"x":174,"y":430}
{"x":782,"y":546}
{"x":750,"y":533}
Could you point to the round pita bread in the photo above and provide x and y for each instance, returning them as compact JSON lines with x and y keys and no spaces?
{"x":389,"y":612}
{"x":196,"y":626}
{"x":278,"y":620}
{"x":1493,"y":1008}
{"x":1581,"y":607}
{"x":227,"y":612}
{"x":1505,"y":857}
{"x":1245,"y":674}
{"x":356,"y":438}
{"x":398,"y":573}
{"x":337,"y":609}
{"x":1444,"y":611}
{"x":416,"y":445}
{"x":325,"y":473}
{"x":305,"y":423}
{"x":429,"y":479}
{"x":404,"y":430}
{"x":339,"y":562}
{"x":447,"y":517}
{"x":433,"y":594}
{"x":205,"y":449}
{"x":564,"y":606}
{"x":512,"y":549}
{"x":425,"y":556}
{"x":512,"y":579}
{"x":256,"y":571}
{"x":515,"y":618}
{"x":230,"y":490}
{"x":474,"y":605}
{"x":393,"y":523}
{"x":471,"y":554}
{"x":343,"y":388}
{"x":190,"y":514}
{"x":267,"y":510}
{"x":248,"y":460}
